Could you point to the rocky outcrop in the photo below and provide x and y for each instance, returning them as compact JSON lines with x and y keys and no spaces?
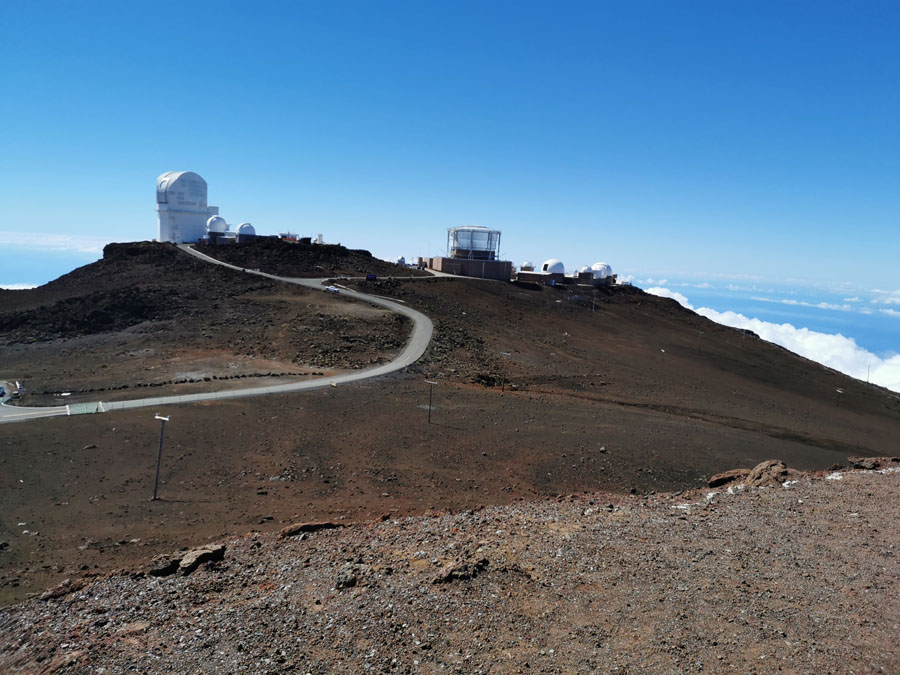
{"x":873,"y":463}
{"x":194,"y":558}
{"x":461,"y":570}
{"x":186,"y":561}
{"x":300,"y":528}
{"x":770,"y":472}
{"x":64,"y":588}
{"x":733,"y":476}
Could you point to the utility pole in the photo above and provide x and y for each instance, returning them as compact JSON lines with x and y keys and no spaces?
{"x":162,"y":431}
{"x":837,"y":400}
{"x":431,"y":384}
{"x":699,"y":338}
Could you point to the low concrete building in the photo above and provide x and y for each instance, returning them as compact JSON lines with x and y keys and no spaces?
{"x":483,"y":269}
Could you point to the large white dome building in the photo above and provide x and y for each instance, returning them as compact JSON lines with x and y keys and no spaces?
{"x":182,"y":208}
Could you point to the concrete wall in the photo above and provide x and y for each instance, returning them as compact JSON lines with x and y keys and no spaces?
{"x":483,"y":269}
{"x":541,"y":277}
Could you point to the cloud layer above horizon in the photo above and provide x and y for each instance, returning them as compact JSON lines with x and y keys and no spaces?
{"x":832,"y":350}
{"x":67,"y":243}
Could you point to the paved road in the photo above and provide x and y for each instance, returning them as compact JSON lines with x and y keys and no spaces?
{"x":14,"y":413}
{"x":415,"y":347}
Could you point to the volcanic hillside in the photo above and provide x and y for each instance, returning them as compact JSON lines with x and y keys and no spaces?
{"x":540,"y":391}
{"x":147,"y":314}
{"x":287,"y":259}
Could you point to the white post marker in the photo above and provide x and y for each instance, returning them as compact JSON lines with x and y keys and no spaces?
{"x":162,"y":430}
{"x":430,"y":396}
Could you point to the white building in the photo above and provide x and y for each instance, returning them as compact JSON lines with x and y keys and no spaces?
{"x":181,"y":205}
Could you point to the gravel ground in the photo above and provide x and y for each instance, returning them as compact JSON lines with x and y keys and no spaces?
{"x":800,"y":577}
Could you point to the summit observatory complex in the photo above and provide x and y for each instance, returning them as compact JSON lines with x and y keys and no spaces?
{"x":184,"y":215}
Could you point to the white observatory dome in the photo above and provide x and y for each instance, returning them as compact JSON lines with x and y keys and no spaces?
{"x":246,"y":229}
{"x":584,"y":269}
{"x":527,"y":265}
{"x":181,"y":206}
{"x":216,"y":225}
{"x":601,"y":270}
{"x":553,"y":266}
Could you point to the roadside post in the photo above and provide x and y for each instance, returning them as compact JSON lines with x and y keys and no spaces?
{"x":503,"y":377}
{"x":431,"y":384}
{"x":162,"y":431}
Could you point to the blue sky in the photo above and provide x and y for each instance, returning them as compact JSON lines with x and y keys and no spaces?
{"x":698,"y":140}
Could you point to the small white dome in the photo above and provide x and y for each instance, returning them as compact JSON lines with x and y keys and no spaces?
{"x":601,"y":270}
{"x":528,"y":264}
{"x":553,"y":266}
{"x":216,"y":225}
{"x":584,"y":269}
{"x":246,"y":229}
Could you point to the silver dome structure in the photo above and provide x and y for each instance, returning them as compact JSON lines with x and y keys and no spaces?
{"x":553,"y":266}
{"x":216,"y":225}
{"x":601,"y":270}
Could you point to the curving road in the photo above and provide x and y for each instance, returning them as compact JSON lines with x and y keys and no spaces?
{"x":15,"y":413}
{"x":418,"y":342}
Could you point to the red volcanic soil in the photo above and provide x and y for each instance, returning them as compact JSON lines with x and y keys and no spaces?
{"x":799,"y":578}
{"x":539,"y":393}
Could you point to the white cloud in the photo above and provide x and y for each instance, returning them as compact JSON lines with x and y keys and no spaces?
{"x":855,"y":298}
{"x":886,"y":297}
{"x":627,"y":278}
{"x":674,"y":295}
{"x":802,"y":303}
{"x":832,"y":350}
{"x":53,"y":242}
{"x":17,"y":287}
